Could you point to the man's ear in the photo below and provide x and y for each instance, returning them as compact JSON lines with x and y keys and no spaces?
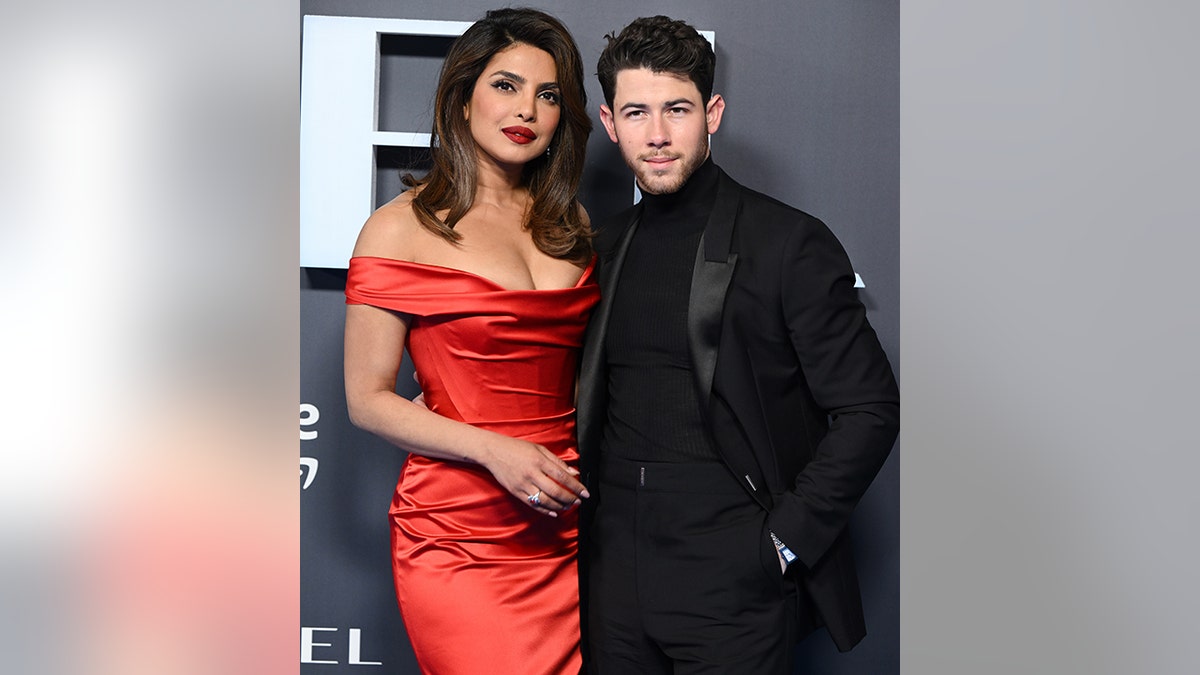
{"x":713,"y":112}
{"x":606,"y":118}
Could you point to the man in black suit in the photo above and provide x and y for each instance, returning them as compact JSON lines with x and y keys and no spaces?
{"x":734,"y":403}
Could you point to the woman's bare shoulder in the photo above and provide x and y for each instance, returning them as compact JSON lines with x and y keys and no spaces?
{"x":392,"y":231}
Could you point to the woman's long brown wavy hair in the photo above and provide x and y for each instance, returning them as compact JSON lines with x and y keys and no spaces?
{"x":555,"y":220}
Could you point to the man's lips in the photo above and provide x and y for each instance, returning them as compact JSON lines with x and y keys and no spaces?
{"x":659,"y":161}
{"x":521,"y":135}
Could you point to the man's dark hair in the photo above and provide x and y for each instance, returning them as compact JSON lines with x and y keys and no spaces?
{"x":661,"y":45}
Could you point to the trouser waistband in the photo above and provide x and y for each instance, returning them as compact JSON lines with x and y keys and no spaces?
{"x":698,"y":477}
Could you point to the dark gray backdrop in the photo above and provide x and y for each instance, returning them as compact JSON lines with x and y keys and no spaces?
{"x":812,"y":118}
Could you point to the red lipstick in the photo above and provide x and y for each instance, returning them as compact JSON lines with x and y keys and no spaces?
{"x":520,"y":135}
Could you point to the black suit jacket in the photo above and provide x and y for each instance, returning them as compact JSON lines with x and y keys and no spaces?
{"x":801,"y":400}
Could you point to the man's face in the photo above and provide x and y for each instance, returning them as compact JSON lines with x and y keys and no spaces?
{"x":661,"y":126}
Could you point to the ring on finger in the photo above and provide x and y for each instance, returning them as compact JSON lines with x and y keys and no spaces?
{"x":535,"y":498}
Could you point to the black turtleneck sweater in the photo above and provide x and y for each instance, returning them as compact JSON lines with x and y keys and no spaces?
{"x":654,"y":413}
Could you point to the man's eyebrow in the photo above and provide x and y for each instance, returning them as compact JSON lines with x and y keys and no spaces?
{"x":669,"y":104}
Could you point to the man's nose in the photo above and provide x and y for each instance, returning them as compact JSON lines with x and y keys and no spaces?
{"x":659,"y":136}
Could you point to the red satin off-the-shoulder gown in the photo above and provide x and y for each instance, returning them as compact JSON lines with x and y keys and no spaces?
{"x":485,"y":583}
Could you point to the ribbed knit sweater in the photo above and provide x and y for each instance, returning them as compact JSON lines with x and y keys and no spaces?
{"x":654,"y":413}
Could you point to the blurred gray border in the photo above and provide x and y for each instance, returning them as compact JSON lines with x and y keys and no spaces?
{"x":1048,"y":234}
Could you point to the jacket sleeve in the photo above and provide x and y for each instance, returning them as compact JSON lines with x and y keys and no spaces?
{"x":849,"y":377}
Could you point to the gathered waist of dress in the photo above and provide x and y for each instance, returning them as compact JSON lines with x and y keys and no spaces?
{"x":560,"y":424}
{"x":557,"y":433}
{"x":458,"y":403}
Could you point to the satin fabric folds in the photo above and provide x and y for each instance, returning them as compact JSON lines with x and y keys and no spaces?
{"x":485,"y":583}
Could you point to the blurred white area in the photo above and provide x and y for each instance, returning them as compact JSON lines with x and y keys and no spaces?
{"x":148,"y":178}
{"x":73,"y":227}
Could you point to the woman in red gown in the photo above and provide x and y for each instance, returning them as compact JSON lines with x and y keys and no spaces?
{"x":484,"y":270}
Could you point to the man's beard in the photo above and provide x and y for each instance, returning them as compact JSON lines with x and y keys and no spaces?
{"x":669,"y":183}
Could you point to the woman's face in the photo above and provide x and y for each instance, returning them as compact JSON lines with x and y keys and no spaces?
{"x":514,"y":107}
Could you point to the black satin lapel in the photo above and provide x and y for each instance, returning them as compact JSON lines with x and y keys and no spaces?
{"x":593,"y":342}
{"x":710,"y":280}
{"x":711,"y":275}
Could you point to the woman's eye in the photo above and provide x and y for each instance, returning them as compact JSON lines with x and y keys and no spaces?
{"x":503,"y":85}
{"x":550,"y":96}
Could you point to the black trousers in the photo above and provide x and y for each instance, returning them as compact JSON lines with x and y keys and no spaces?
{"x":683,"y":577}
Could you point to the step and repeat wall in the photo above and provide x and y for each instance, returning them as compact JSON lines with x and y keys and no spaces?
{"x":812,"y":119}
